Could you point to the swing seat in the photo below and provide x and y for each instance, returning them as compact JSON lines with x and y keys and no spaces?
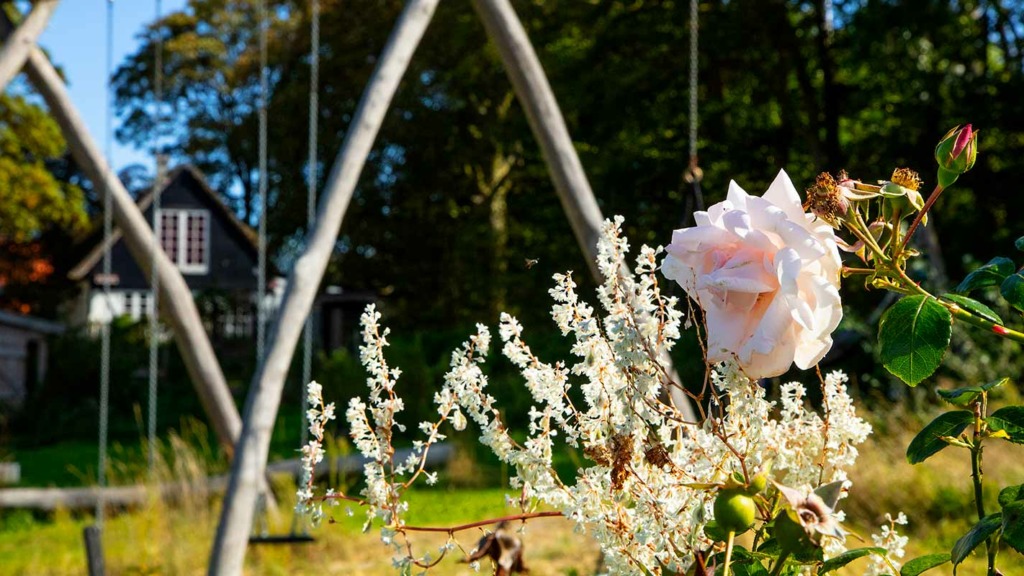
{"x":282,"y":539}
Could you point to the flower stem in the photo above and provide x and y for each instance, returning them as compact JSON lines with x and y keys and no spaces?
{"x":920,"y":216}
{"x":848,"y":271}
{"x":728,"y":552}
{"x":777,"y":569}
{"x":980,"y":408}
{"x":957,"y":312}
{"x":859,"y":228}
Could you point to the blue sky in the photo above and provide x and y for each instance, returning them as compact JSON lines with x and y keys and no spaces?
{"x":76,"y":41}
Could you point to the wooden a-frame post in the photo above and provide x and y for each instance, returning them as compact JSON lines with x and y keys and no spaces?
{"x":178,"y":305}
{"x":19,"y":44}
{"x":575,"y":194}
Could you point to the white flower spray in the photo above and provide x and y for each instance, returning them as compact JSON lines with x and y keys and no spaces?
{"x":893,"y":542}
{"x":644,"y":496}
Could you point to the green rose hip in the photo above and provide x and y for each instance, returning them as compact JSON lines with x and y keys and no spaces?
{"x":734,"y":511}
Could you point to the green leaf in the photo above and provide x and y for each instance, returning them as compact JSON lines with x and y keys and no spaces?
{"x":994,"y":384}
{"x":963,"y":397}
{"x":929,"y":441}
{"x":744,"y":562}
{"x":802,"y":555}
{"x":837,"y":562}
{"x":1012,"y":290}
{"x":1019,"y":243}
{"x":1010,"y":420}
{"x":923,"y":564}
{"x":751,"y":569}
{"x":1011,"y":494}
{"x":1013,"y":525}
{"x":985,"y":527}
{"x":913,"y":335}
{"x":991,"y":274}
{"x":974,"y":307}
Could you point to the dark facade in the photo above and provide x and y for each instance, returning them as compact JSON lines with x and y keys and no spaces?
{"x":221,"y":270}
{"x":232,"y":255}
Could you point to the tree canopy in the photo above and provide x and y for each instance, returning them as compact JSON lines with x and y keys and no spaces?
{"x":456,"y":197}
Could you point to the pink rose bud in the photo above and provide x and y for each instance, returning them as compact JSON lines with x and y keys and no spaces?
{"x":962,"y":139}
{"x":956,"y":153}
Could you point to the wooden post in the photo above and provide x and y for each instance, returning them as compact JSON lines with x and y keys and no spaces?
{"x":18,"y":44}
{"x":179,"y":306}
{"x":94,"y":550}
{"x":264,"y":398}
{"x":545,"y":118}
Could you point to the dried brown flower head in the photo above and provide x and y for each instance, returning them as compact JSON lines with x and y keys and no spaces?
{"x":622,"y":453}
{"x":504,"y":548}
{"x":657,"y":455}
{"x":825,"y":200}
{"x":907,"y":178}
{"x":599,"y":453}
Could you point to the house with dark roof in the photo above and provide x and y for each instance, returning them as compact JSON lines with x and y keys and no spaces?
{"x":23,"y":354}
{"x":215,"y":252}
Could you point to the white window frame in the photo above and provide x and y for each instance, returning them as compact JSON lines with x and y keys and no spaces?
{"x":182,"y":220}
{"x":137,"y":304}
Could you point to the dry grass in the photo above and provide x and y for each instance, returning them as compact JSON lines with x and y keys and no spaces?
{"x":163,"y":538}
{"x":937,"y":495}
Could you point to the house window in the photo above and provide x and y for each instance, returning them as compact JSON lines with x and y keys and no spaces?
{"x":237,"y":322}
{"x":137,"y":304}
{"x":185,"y":237}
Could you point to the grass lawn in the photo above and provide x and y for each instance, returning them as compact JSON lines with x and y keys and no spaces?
{"x":158,"y":539}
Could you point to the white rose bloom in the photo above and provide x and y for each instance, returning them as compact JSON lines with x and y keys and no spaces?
{"x":766,"y":275}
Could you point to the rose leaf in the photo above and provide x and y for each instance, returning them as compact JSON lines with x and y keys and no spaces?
{"x":923,"y":564}
{"x":985,"y":527}
{"x":1010,"y":420}
{"x":930,"y":440}
{"x":913,"y":335}
{"x":991,"y":274}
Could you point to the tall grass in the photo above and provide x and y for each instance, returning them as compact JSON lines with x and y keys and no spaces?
{"x":937,"y":495}
{"x":173,"y":536}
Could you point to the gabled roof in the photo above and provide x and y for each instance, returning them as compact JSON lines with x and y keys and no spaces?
{"x":89,"y":262}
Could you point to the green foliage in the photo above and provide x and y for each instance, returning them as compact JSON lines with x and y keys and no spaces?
{"x":993,"y":273}
{"x":70,"y":391}
{"x":981,"y":531}
{"x":930,"y":440}
{"x":1012,"y":290}
{"x":967,"y":395}
{"x":923,"y":564}
{"x":32,"y":199}
{"x":1011,"y":494}
{"x":1009,"y":420}
{"x":1012,"y":529}
{"x":748,"y":567}
{"x":456,"y":195}
{"x":837,"y":562}
{"x":913,"y":335}
{"x":974,"y":307}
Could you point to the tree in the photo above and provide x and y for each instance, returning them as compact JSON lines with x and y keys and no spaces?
{"x":35,"y":205}
{"x":456,"y":197}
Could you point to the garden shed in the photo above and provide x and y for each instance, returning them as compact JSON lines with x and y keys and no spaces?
{"x":22,"y":354}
